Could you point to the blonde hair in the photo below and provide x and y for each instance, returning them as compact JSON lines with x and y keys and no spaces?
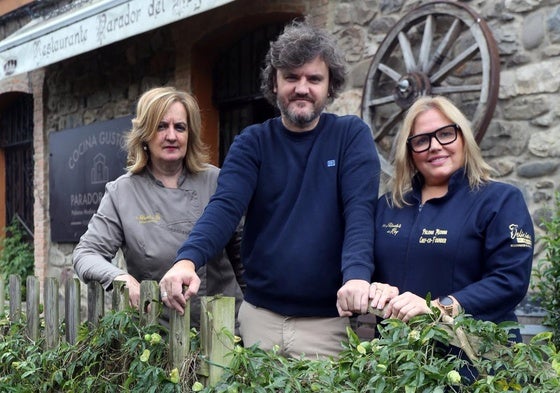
{"x":476,"y":169}
{"x":151,"y":108}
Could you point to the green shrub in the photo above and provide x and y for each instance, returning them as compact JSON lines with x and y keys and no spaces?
{"x":118,"y":355}
{"x":407,"y":358}
{"x":547,"y":274}
{"x":16,"y":252}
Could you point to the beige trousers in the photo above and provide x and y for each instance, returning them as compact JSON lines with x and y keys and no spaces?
{"x":312,"y":337}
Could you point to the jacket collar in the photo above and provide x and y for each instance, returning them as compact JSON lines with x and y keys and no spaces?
{"x":457,"y":180}
{"x":148,"y":173}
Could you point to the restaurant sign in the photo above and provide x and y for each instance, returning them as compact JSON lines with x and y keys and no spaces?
{"x":103,"y":22}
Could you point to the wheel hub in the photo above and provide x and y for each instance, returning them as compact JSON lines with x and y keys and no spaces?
{"x":410,"y":87}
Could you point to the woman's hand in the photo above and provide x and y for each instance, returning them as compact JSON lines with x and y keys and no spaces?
{"x":380,"y":294}
{"x":406,"y":306}
{"x":133,"y":289}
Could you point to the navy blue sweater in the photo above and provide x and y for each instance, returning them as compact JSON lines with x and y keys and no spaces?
{"x":476,"y":245}
{"x":309,"y":199}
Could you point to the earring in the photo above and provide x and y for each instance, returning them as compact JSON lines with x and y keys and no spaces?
{"x":145,"y":147}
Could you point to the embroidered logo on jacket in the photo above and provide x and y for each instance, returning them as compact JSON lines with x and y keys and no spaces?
{"x":519,"y":237}
{"x":433,"y":236}
{"x":331,"y":163}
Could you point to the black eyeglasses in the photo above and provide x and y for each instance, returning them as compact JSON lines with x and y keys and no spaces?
{"x":444,"y":135}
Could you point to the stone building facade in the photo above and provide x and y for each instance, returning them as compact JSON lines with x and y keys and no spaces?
{"x":522,"y":141}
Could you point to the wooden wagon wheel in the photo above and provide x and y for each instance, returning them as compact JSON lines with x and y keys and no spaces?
{"x":439,"y":48}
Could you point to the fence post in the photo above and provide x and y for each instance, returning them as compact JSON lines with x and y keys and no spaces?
{"x":72,"y":310}
{"x":32,"y":299}
{"x":120,"y":296}
{"x":149,"y":302}
{"x":51,"y":312}
{"x":96,"y":303}
{"x":217,"y":324}
{"x":179,"y":335}
{"x":15,"y":298}
{"x":2,"y":296}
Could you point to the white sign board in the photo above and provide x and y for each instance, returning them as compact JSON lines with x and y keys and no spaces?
{"x":91,"y":27}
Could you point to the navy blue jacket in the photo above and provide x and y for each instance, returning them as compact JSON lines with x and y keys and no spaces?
{"x":309,"y":199}
{"x":476,"y":245}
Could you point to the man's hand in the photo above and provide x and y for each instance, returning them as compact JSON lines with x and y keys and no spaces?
{"x":353,"y":297}
{"x":171,"y":285}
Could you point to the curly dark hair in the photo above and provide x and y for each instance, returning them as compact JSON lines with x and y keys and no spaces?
{"x":298,"y":44}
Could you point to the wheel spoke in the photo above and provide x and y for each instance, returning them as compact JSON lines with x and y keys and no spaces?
{"x":381,"y":101}
{"x":406,"y":48}
{"x":391,"y":73}
{"x":427,"y":39}
{"x":445,"y":45}
{"x":461,"y":58}
{"x":389,"y":124}
{"x":441,"y":90}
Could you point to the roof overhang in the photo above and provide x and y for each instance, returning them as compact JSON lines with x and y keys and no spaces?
{"x":44,"y":42}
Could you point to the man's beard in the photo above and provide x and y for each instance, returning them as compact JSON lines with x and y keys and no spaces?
{"x":300,"y":119}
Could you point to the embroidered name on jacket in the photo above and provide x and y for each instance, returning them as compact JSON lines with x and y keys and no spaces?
{"x":392,"y":229}
{"x":433,"y":236}
{"x":147,"y":218}
{"x":519,"y":237}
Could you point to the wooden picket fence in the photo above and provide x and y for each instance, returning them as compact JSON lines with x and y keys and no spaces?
{"x":217,"y":319}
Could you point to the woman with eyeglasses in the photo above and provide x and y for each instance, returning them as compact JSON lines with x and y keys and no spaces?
{"x":446,"y":229}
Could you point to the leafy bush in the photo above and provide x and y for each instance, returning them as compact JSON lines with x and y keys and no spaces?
{"x":121,"y":356}
{"x":407,"y":358}
{"x":16,"y":253}
{"x":547,"y":274}
{"x":118,"y":355}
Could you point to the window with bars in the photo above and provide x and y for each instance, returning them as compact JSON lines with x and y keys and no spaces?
{"x":16,"y":140}
{"x":237,"y":92}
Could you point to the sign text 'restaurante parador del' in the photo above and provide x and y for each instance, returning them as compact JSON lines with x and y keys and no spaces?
{"x":91,"y":27}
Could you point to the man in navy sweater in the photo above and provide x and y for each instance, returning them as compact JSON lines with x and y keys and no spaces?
{"x":307,"y":183}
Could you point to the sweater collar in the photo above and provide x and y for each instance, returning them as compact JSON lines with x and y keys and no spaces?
{"x":304,"y":134}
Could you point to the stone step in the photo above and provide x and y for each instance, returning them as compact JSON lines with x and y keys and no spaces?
{"x":530,"y":317}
